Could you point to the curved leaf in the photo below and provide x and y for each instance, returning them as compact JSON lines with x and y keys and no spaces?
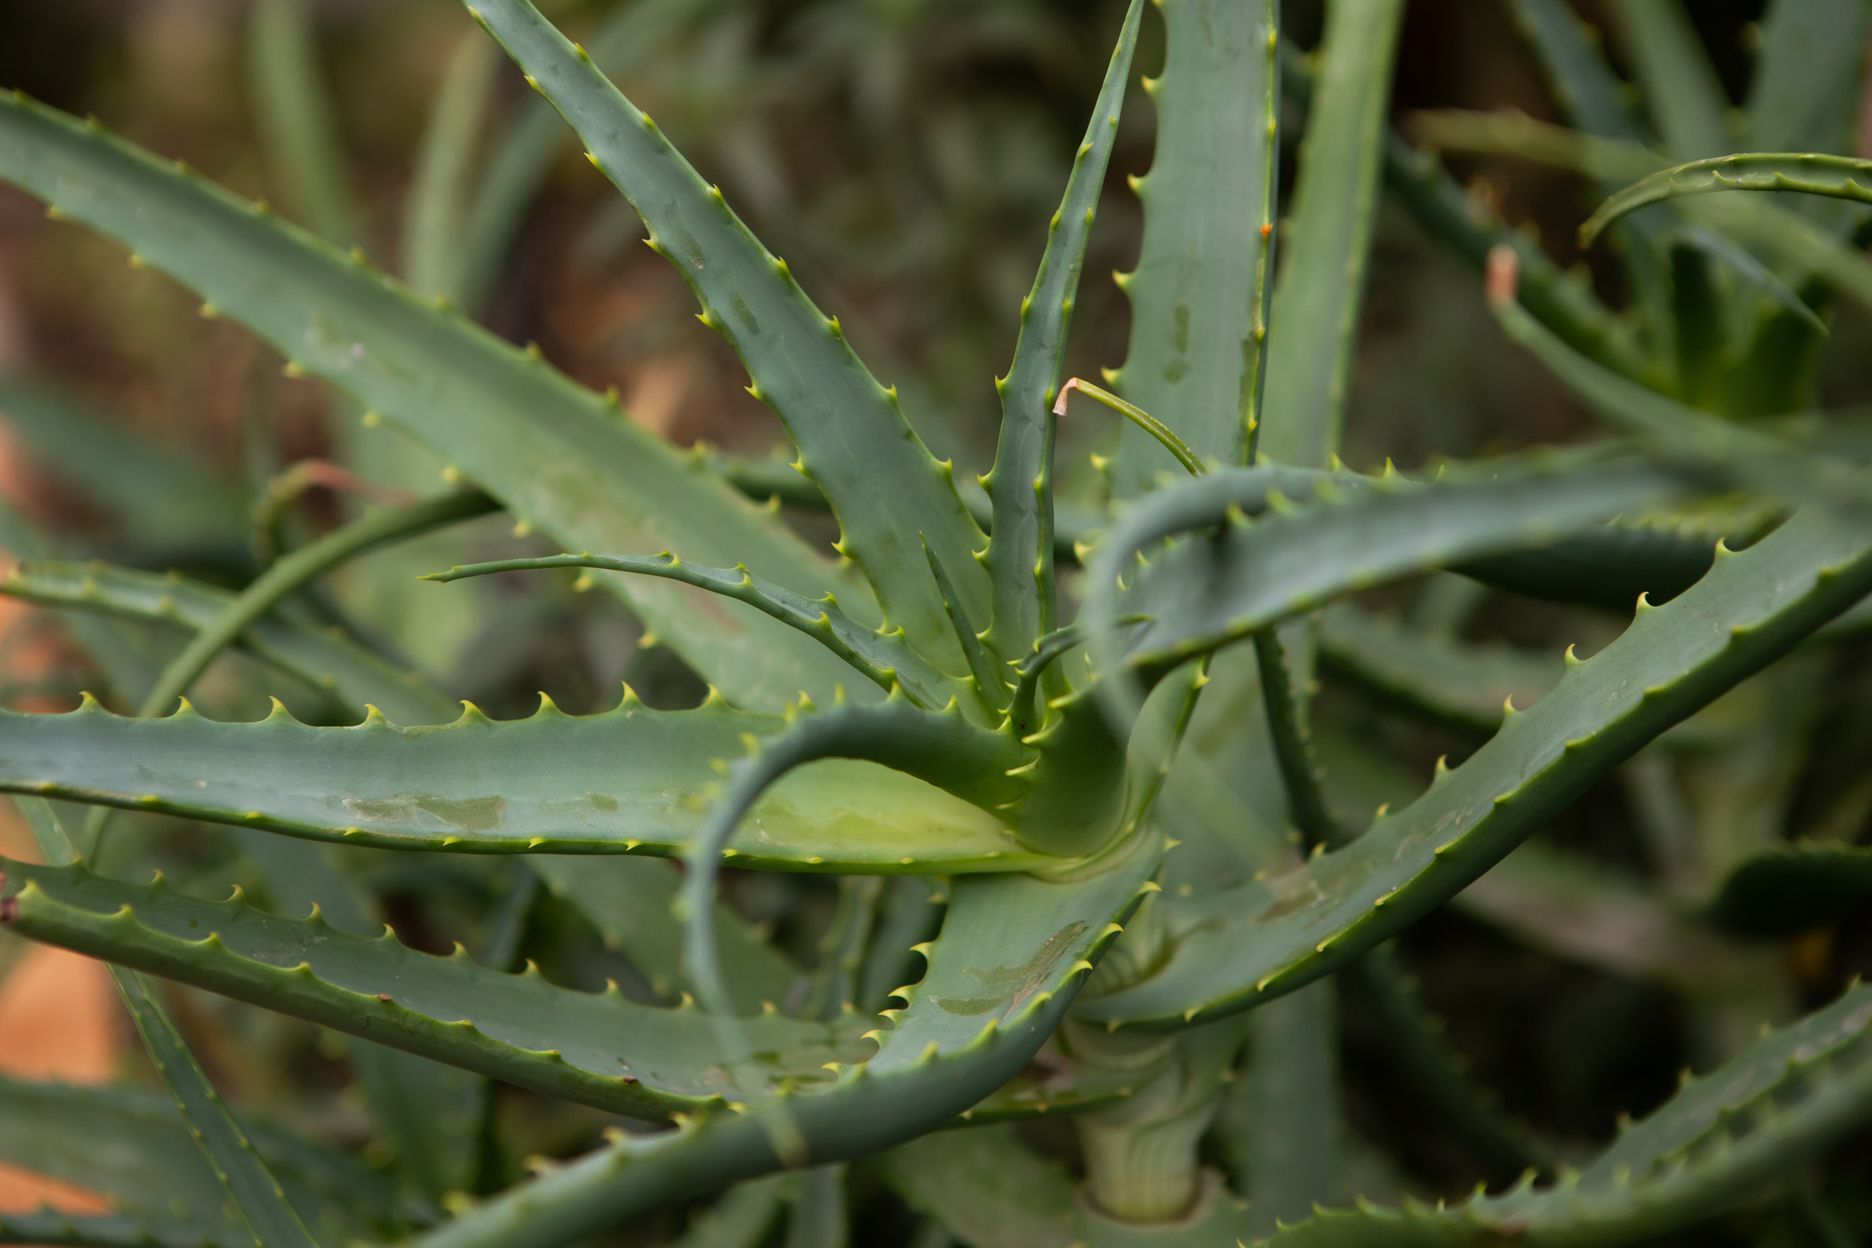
{"x":1841,"y":177}
{"x":596,"y":1048}
{"x":1709,"y":1148}
{"x":1013,"y":952}
{"x":1246,"y":944}
{"x":1793,"y":888}
{"x":632,"y":780}
{"x":853,"y":439}
{"x":572,"y":469}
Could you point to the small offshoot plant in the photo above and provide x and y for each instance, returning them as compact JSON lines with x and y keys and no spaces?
{"x":1099,"y":881}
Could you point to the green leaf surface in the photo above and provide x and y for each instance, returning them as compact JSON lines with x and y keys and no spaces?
{"x":1805,"y":87}
{"x":572,"y":469}
{"x":1678,"y":83}
{"x":883,"y":658}
{"x":1243,"y":945}
{"x":1794,"y":888}
{"x":632,"y":907}
{"x":1457,"y":682}
{"x":324,"y":658}
{"x":1328,"y":239}
{"x":989,"y":1191}
{"x":48,"y":1228}
{"x":1806,"y":173}
{"x":294,"y":110}
{"x":1020,"y":555}
{"x":129,"y":1143}
{"x":441,"y":198}
{"x":1013,"y":952}
{"x":1712,"y":1146}
{"x":633,"y":780}
{"x":1205,"y":268}
{"x":1203,"y":593}
{"x":162,"y":494}
{"x":883,"y":484}
{"x":596,"y":1048}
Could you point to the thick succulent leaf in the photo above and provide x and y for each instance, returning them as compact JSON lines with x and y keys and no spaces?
{"x":988,"y":1191}
{"x":596,"y":1048}
{"x":1020,"y":555}
{"x":883,"y":658}
{"x":1458,"y":682}
{"x":1200,"y":291}
{"x":1203,"y":593}
{"x":632,"y":907}
{"x":1807,"y":173}
{"x":1598,"y":102}
{"x":130,"y":1145}
{"x":163,"y":495}
{"x":295,"y":115}
{"x":246,"y":1181}
{"x":1805,"y":87}
{"x":1328,"y":241}
{"x":48,"y":1228}
{"x":633,"y":780}
{"x":435,"y":213}
{"x":1013,"y":952}
{"x":1678,"y":82}
{"x":1794,"y":888}
{"x":1244,"y":945}
{"x":244,"y":1176}
{"x":852,"y":436}
{"x":324,"y":658}
{"x":1709,"y":1148}
{"x":573,"y":469}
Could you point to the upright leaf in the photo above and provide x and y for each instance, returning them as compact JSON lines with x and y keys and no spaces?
{"x":1680,"y":85}
{"x":1199,"y":292}
{"x":1020,"y":555}
{"x":1804,"y":91}
{"x":888,"y":492}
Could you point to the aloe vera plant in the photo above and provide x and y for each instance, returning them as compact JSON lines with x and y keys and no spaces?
{"x":1046,"y":753}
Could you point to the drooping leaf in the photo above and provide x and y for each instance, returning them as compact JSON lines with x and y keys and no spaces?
{"x":1806,"y":173}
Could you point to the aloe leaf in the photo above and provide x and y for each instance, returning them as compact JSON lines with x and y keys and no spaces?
{"x":534,"y":138}
{"x":1013,"y":952}
{"x":1459,"y":683}
{"x":574,"y":470}
{"x":294,"y":111}
{"x":1020,"y":554}
{"x":1597,"y":102}
{"x":163,"y":494}
{"x":742,"y":1218}
{"x":131,"y":1145}
{"x":630,"y":905}
{"x":49,"y":1228}
{"x":1805,"y":85}
{"x":1283,"y":932}
{"x":1807,"y":173}
{"x":1793,"y":888}
{"x":882,"y":482}
{"x":595,"y":1048}
{"x":1679,"y":83}
{"x":632,"y":780}
{"x":1205,"y":269}
{"x":991,"y":1191}
{"x":440,"y":198}
{"x":243,"y":1174}
{"x":1328,"y":242}
{"x":322,"y":658}
{"x":883,"y":658}
{"x":1203,"y":594}
{"x":1706,"y":1150}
